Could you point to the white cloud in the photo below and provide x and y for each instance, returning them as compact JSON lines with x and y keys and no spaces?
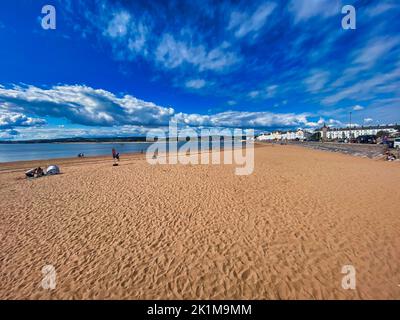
{"x":335,"y":123}
{"x":271,"y":91}
{"x":303,"y":10}
{"x":364,"y":59}
{"x":243,"y":23}
{"x":268,"y":92}
{"x":330,"y":122}
{"x":172,"y":53}
{"x":10,"y":120}
{"x":137,"y":42}
{"x":29,"y":133}
{"x":245,"y":119}
{"x":375,"y":50}
{"x":254,"y":94}
{"x":84,"y":105}
{"x":317,"y":80}
{"x":195,"y":84}
{"x":368,"y":120}
{"x":128,"y":36}
{"x":367,"y":89}
{"x":358,"y":108}
{"x":119,"y":25}
{"x":380,"y":8}
{"x":99,"y":108}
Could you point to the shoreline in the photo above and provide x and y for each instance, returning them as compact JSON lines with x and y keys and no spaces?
{"x":7,"y":163}
{"x":26,"y":164}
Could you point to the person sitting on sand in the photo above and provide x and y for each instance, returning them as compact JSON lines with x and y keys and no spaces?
{"x":31,"y":173}
{"x":39,"y":172}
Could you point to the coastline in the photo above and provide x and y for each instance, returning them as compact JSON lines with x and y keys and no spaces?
{"x":23,"y":164}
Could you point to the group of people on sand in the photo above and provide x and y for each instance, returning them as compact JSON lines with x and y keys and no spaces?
{"x":389,"y":156}
{"x":115,"y":155}
{"x":39,"y":172}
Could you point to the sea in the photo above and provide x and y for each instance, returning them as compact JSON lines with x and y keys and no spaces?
{"x":40,"y":151}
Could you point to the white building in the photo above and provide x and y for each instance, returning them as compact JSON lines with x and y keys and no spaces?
{"x":354,"y":132}
{"x":283,"y":135}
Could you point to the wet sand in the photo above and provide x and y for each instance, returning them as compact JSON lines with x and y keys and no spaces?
{"x":138,"y":231}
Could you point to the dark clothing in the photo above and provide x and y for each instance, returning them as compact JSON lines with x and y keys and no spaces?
{"x":115,"y":154}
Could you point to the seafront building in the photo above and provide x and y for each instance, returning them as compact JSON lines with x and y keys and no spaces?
{"x":327,"y":133}
{"x":299,"y":134}
{"x":354,"y":132}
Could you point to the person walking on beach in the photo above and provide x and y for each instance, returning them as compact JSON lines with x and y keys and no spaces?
{"x":115,"y":155}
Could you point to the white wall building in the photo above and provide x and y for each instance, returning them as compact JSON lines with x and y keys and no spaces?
{"x":344,"y":133}
{"x":283,"y":135}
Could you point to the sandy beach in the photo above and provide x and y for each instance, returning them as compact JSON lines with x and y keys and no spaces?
{"x":138,"y":231}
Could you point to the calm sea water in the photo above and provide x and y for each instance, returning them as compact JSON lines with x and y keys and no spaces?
{"x":38,"y":151}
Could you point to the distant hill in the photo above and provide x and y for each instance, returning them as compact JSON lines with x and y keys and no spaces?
{"x":78,"y":139}
{"x":95,"y":140}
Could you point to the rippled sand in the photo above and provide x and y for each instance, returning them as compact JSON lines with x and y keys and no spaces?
{"x":199,"y":232}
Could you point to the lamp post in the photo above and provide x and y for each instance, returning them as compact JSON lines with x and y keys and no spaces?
{"x":350,"y":129}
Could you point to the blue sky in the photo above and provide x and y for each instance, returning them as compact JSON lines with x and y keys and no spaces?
{"x":118,"y":68}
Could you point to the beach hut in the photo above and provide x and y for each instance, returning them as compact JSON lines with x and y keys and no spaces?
{"x":53,"y":170}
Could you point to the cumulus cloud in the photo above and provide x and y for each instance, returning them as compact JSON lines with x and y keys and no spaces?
{"x":238,"y":119}
{"x":100,"y":108}
{"x":84,"y":105}
{"x":10,"y":120}
{"x":9,"y":134}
